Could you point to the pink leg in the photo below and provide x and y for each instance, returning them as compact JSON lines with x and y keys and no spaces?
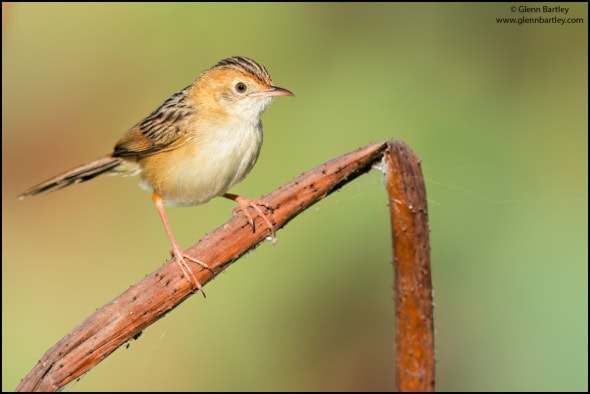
{"x":244,"y":203}
{"x":176,"y":251}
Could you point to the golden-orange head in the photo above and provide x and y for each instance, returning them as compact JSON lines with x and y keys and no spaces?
{"x":237,"y":85}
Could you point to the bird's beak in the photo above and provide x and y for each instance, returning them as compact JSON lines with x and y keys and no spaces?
{"x":275,"y":91}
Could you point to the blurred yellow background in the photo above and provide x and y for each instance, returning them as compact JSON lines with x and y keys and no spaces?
{"x":497,"y":114}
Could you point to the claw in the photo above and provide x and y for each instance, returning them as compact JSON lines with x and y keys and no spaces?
{"x":244,"y":203}
{"x":188,"y":273}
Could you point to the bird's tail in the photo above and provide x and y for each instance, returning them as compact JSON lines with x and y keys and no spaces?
{"x":79,"y":174}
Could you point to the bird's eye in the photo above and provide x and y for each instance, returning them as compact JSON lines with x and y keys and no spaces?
{"x":241,"y":87}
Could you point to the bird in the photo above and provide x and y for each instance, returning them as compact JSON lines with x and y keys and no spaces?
{"x":195,"y":146}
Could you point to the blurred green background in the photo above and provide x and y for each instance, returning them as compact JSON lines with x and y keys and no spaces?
{"x":497,"y":114}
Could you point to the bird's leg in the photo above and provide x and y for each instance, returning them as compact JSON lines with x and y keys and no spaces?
{"x":178,"y":254}
{"x":244,"y":203}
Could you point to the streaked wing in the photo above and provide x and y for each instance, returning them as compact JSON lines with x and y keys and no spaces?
{"x":159,"y":130}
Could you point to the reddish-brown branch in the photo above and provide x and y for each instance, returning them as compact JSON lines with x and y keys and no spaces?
{"x":144,"y":303}
{"x":413,"y":286}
